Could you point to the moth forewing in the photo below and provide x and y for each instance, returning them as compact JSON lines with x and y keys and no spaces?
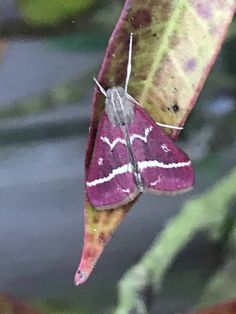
{"x":113,"y":178}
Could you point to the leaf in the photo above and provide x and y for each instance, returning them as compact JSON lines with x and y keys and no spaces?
{"x":99,"y":226}
{"x":54,"y":11}
{"x":175,"y":45}
{"x":9,"y":305}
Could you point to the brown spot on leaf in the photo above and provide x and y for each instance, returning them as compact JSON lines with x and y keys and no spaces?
{"x":106,"y":221}
{"x":80,"y":274}
{"x":141,"y":18}
{"x":102,"y":239}
{"x":107,"y":213}
{"x":95,"y":220}
{"x":175,"y":108}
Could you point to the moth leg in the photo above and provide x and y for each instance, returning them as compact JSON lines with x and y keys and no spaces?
{"x":102,"y":90}
{"x":170,"y":126}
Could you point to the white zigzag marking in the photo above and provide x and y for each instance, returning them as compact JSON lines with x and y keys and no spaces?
{"x":123,"y":141}
{"x":143,"y":138}
{"x":128,"y":168}
{"x":113,"y":144}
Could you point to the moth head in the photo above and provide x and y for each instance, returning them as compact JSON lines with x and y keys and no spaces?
{"x":115,"y":91}
{"x":118,"y":107}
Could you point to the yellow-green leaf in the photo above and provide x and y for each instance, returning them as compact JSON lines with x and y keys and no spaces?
{"x":53,"y":11}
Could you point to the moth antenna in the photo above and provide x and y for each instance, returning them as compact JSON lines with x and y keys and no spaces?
{"x":129,"y":63}
{"x":122,"y":107}
{"x":102,"y":90}
{"x":123,"y":129}
{"x":170,"y":126}
{"x":120,"y":100}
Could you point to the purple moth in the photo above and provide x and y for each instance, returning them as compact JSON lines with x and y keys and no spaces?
{"x":132,"y":154}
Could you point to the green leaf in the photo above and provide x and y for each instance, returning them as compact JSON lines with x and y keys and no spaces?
{"x":53,"y":11}
{"x":207,"y":211}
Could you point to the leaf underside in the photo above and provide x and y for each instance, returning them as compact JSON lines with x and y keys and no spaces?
{"x":175,"y":45}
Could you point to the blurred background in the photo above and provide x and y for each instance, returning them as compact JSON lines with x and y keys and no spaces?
{"x":49,"y":54}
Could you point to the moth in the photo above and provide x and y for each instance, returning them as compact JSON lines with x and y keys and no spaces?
{"x":132,"y":154}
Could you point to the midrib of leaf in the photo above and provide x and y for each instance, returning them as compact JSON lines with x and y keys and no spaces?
{"x":162,"y":46}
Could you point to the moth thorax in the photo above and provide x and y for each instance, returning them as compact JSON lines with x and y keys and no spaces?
{"x":118,"y":106}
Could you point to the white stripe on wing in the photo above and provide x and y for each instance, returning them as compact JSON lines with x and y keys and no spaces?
{"x":128,"y":168}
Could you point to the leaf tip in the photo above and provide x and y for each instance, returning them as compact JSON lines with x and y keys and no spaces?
{"x":80,"y":277}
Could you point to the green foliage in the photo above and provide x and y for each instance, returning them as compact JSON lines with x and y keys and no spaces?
{"x":222,"y":285}
{"x":54,"y":11}
{"x":208,"y":211}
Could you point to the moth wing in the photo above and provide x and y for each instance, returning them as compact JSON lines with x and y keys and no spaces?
{"x":162,"y":165}
{"x":109,"y":180}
